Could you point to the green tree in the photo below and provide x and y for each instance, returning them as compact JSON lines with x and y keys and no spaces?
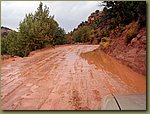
{"x":35,"y":31}
{"x":39,"y":29}
{"x":60,"y":37}
{"x":83,"y":34}
{"x":4,"y":44}
{"x":124,"y":11}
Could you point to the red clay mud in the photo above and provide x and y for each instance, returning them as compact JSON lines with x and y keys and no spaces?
{"x":60,"y":79}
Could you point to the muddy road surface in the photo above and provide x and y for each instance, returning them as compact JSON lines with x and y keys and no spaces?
{"x":62,"y":78}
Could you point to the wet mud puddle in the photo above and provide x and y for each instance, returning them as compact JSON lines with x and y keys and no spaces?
{"x":116,"y":70}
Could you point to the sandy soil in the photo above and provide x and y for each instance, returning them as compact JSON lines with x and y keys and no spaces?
{"x":60,"y":79}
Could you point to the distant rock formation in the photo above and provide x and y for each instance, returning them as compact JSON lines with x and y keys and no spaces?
{"x":95,"y":15}
{"x":5,"y":31}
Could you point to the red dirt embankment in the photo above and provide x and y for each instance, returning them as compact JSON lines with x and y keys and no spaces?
{"x":133,"y":54}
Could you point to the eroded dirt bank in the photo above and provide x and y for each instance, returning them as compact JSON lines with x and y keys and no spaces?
{"x":132,"y":55}
{"x":61,"y":79}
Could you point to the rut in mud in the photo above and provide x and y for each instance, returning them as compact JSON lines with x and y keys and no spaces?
{"x":61,"y":79}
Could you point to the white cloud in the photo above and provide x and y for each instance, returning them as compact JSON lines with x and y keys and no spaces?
{"x":67,"y":13}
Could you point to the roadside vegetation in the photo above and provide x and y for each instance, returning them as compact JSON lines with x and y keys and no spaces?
{"x":36,"y":31}
{"x":109,"y":22}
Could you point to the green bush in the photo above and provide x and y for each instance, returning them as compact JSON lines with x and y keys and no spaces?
{"x":13,"y":45}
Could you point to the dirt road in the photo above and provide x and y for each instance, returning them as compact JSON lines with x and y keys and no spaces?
{"x":61,"y":79}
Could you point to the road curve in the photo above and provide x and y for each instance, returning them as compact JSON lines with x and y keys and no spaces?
{"x":57,"y":79}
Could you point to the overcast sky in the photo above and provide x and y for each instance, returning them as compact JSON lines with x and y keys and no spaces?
{"x":67,"y":13}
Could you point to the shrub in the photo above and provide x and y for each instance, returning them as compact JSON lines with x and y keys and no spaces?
{"x":3,"y":45}
{"x":104,"y":32}
{"x":105,"y":42}
{"x":131,"y":33}
{"x":132,"y":23}
{"x":104,"y":39}
{"x":121,"y":27}
{"x":113,"y":23}
{"x":9,"y":44}
{"x":104,"y":45}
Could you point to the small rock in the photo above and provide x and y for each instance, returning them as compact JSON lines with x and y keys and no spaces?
{"x":29,"y":84}
{"x":138,"y":36}
{"x":133,"y":40}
